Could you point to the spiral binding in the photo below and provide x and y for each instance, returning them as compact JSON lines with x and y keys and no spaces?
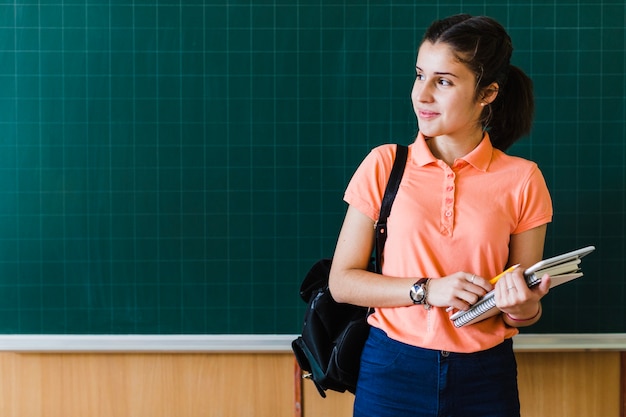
{"x":479,"y":308}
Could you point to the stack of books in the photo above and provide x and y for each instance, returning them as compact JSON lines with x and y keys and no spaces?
{"x":562,"y":268}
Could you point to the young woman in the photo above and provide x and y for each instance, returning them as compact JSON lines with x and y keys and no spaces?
{"x":465,"y":211}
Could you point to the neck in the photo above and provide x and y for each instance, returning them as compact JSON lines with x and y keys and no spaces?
{"x":449,"y":149}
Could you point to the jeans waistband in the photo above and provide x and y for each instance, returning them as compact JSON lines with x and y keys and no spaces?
{"x":380,"y":337}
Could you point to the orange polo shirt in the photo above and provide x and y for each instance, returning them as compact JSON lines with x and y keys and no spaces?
{"x":447,"y":219}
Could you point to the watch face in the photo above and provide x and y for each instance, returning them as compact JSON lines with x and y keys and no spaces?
{"x":417,"y":293}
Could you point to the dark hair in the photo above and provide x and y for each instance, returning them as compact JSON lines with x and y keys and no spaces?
{"x":484,"y":46}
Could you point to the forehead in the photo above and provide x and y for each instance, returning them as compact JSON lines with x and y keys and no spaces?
{"x":438,"y":57}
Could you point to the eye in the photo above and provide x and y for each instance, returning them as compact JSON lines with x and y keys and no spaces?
{"x":445,"y":82}
{"x":420,"y":76}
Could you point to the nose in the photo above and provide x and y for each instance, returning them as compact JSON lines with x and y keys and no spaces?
{"x":421,"y":91}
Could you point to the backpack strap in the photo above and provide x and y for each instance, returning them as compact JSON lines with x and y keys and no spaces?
{"x":395,"y":177}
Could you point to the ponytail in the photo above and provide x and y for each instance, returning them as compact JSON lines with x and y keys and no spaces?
{"x":512,"y":111}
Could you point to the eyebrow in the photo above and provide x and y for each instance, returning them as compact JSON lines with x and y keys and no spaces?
{"x":439,"y":72}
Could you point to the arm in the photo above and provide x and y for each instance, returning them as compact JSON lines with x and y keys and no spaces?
{"x":349,"y":280}
{"x":521,"y":306}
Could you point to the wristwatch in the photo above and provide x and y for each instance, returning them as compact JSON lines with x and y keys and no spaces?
{"x":418,"y":291}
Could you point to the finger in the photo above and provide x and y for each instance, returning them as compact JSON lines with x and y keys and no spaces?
{"x":544,"y":285}
{"x":511,"y":292}
{"x":479,"y":285}
{"x":470,"y":298}
{"x":512,"y":287}
{"x":506,"y":293}
{"x":522,"y":286}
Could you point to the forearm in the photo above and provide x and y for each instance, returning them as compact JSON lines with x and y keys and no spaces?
{"x":365,"y":288}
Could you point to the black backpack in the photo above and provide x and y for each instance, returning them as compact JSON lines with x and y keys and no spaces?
{"x":333,"y":334}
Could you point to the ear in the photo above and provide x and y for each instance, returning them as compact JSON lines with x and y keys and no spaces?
{"x":489,"y":93}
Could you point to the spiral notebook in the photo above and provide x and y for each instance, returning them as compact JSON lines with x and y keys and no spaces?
{"x":562,"y":268}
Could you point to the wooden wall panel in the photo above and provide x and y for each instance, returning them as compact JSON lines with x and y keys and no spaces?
{"x":334,"y":405}
{"x":150,"y":385}
{"x":572,"y":384}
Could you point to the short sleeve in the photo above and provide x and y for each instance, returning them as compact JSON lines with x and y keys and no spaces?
{"x":367,"y":186}
{"x":535,"y":202}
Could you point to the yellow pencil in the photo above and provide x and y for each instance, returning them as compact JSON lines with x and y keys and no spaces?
{"x":500,"y":275}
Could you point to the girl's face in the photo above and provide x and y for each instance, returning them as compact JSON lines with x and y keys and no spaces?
{"x":444,"y":94}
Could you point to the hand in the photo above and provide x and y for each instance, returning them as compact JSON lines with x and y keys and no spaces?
{"x":513,"y":297}
{"x":459,"y":290}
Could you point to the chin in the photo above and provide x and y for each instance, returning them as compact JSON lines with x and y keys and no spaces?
{"x":429,"y":133}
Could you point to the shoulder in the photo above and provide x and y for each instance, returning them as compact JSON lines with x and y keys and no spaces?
{"x":525,"y":179}
{"x":366,"y":188}
{"x":513,"y":164}
{"x":380,"y":160}
{"x":521,"y":176}
{"x":385,"y":152}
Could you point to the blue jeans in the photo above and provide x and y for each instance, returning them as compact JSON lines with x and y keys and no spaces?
{"x":398,"y":380}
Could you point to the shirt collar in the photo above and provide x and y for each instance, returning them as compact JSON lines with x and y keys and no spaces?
{"x":479,"y":157}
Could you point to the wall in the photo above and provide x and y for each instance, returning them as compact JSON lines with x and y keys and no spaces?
{"x":161,"y":159}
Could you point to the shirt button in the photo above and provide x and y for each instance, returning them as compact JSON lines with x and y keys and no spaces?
{"x":448,"y":213}
{"x":449,"y":188}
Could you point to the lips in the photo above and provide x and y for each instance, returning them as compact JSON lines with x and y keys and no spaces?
{"x":427,"y":114}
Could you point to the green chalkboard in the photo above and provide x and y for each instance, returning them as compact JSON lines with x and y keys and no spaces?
{"x":175,"y":167}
